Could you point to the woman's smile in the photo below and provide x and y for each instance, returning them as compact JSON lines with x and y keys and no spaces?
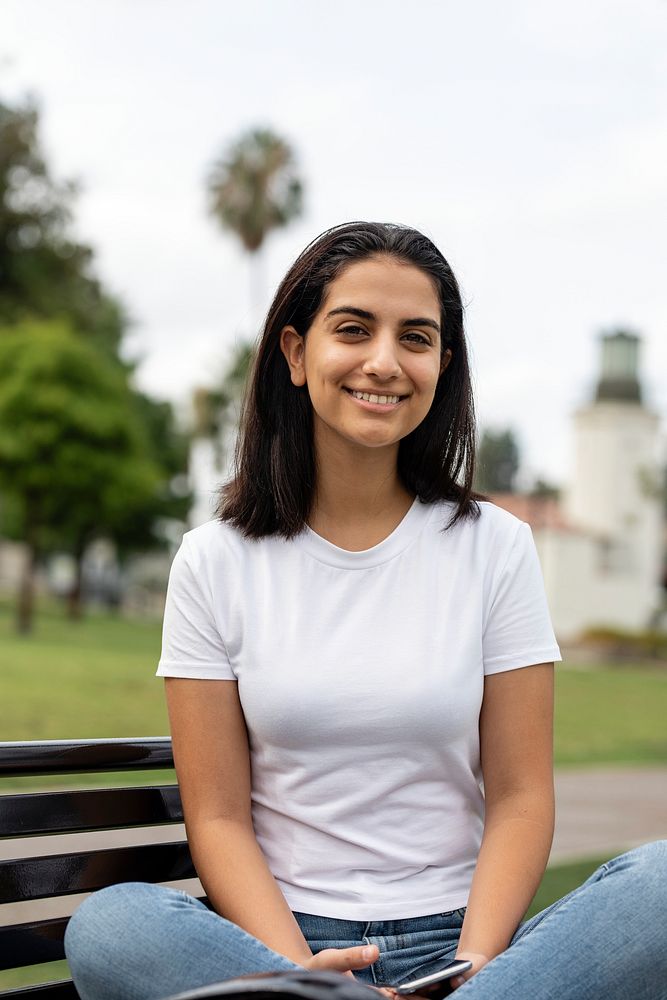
{"x":378,"y":402}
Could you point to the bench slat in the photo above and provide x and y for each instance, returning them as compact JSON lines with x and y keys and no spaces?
{"x":32,"y":944}
{"x":65,"y":874}
{"x":68,"y":812}
{"x":38,"y":941}
{"x":74,"y":756}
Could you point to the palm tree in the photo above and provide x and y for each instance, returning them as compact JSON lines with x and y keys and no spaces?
{"x":254,"y":188}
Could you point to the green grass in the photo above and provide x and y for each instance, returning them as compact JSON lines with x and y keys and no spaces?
{"x":31,"y":974}
{"x":94,"y":678}
{"x":613,"y":716}
{"x":81,"y":680}
{"x":557,"y":881}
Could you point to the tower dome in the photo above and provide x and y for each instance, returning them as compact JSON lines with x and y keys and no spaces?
{"x":619,"y":369}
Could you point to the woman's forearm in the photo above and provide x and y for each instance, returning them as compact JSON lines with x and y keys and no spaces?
{"x":240,"y":886}
{"x":514,"y":853}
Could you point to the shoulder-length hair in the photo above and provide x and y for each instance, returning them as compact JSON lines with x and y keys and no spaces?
{"x":274,"y":470}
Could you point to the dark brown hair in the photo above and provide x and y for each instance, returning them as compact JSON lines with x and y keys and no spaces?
{"x":273,"y":485}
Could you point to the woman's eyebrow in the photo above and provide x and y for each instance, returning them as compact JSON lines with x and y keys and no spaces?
{"x":364,"y":314}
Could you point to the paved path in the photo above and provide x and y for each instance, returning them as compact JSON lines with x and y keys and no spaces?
{"x":603,"y":811}
{"x":600,"y":812}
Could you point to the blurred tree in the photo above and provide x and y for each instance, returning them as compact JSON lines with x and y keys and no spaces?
{"x":44,"y":271}
{"x":254,"y":188}
{"x":76,"y":449}
{"x":216,"y":411}
{"x":168,"y":447}
{"x":497,"y":462}
{"x":544,"y":488}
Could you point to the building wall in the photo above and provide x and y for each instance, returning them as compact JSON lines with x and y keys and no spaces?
{"x":613,"y":577}
{"x":587,"y":584}
{"x":614,"y":489}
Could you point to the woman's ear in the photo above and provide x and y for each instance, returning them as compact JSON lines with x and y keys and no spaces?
{"x":293,"y":347}
{"x":446,"y":358}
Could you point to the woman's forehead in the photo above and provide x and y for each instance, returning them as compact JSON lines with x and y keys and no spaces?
{"x":382,"y":283}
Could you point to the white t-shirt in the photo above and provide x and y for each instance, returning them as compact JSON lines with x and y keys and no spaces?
{"x":361,"y":678}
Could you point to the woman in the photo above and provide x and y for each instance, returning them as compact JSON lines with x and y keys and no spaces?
{"x":359,"y":674}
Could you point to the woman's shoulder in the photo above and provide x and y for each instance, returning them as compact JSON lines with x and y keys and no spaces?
{"x":497,"y":518}
{"x":486,"y":519}
{"x":211,"y":541}
{"x":488,"y":533}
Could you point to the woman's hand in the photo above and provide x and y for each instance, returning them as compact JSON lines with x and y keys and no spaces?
{"x":345,"y":959}
{"x":478,"y":962}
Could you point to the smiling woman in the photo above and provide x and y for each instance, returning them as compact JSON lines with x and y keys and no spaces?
{"x":370,"y":383}
{"x":366,"y":309}
{"x":359,"y":673}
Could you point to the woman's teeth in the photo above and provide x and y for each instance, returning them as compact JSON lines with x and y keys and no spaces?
{"x":372,"y":398}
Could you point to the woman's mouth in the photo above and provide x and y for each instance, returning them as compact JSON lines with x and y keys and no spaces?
{"x":376,"y":401}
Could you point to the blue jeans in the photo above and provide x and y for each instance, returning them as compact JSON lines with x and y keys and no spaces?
{"x":606,"y":939}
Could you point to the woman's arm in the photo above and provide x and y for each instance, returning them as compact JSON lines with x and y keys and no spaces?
{"x":516,"y":745}
{"x":212,"y":759}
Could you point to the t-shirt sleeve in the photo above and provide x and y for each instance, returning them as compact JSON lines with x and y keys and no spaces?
{"x":518,"y":630}
{"x":192,"y":645}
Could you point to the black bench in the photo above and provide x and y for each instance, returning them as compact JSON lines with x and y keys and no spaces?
{"x":34,"y":814}
{"x":26,"y":814}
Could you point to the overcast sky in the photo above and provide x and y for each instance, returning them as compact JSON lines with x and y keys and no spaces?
{"x":527,"y":139}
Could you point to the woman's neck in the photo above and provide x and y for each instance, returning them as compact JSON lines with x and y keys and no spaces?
{"x":359,"y":498}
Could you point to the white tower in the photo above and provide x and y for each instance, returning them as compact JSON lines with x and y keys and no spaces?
{"x":615,"y":492}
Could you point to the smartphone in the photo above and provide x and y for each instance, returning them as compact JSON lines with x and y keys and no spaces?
{"x":434,"y":984}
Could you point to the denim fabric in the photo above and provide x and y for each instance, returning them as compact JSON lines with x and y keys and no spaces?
{"x":404,"y":945}
{"x":607,"y":939}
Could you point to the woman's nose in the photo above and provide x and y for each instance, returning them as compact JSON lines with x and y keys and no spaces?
{"x":381,"y":358}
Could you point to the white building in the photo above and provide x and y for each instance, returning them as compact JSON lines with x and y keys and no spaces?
{"x":602,"y":549}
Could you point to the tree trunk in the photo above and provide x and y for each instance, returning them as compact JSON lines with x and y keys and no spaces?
{"x":26,"y":594}
{"x":257,"y":289}
{"x":74,"y":605}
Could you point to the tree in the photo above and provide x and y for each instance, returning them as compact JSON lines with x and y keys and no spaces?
{"x":168,"y":447}
{"x":497,"y":462}
{"x":44,"y":271}
{"x":252,"y":189}
{"x":75,"y":457}
{"x":216,"y":411}
{"x":544,"y":489}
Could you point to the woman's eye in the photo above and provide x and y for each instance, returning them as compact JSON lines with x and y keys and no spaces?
{"x":354,"y":330}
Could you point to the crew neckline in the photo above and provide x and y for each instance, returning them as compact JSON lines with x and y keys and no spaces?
{"x":403,"y":534}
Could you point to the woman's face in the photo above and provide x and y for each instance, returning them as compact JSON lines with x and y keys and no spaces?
{"x":377,"y":331}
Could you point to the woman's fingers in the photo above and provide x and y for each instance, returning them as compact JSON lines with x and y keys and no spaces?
{"x":345,"y":959}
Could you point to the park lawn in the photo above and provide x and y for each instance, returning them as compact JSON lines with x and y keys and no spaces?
{"x":79,"y":680}
{"x":611,"y":716}
{"x":557,"y":881}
